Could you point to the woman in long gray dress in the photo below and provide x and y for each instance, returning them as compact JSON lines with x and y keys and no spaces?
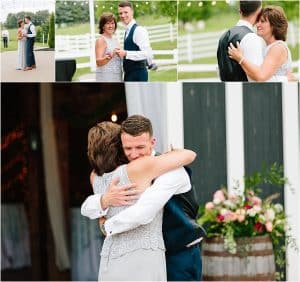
{"x":21,"y":63}
{"x":109,"y":64}
{"x":136,"y":254}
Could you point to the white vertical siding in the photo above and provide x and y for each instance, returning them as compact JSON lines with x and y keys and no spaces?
{"x":291,"y":159}
{"x":234,"y":135}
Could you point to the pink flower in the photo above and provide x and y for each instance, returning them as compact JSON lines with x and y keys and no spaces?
{"x":220,"y":217}
{"x":256,"y":201}
{"x":219,"y":195}
{"x":248,"y":207}
{"x":209,"y":206}
{"x":269,"y":226}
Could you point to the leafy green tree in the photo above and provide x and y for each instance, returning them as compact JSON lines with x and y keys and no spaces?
{"x":51,"y":40}
{"x":71,"y":12}
{"x":11,"y":21}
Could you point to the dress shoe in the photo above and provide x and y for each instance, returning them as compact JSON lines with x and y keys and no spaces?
{"x":33,"y":66}
{"x":28,"y":68}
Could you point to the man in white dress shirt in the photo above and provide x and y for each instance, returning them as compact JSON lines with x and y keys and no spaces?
{"x":137,"y":52}
{"x":253,"y":46}
{"x":183,"y":263}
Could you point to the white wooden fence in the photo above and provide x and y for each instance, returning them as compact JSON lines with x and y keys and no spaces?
{"x":79,"y":46}
{"x":204,"y":45}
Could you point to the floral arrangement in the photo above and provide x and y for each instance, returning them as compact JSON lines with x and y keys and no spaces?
{"x":234,"y":215}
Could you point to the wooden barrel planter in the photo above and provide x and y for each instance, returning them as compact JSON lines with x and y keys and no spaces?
{"x":254,"y":260}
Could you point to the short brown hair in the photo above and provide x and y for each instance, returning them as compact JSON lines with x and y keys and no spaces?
{"x":278,"y":21}
{"x":136,"y":125}
{"x":125,"y":4}
{"x":105,"y":18}
{"x":249,"y":7}
{"x":105,"y":150}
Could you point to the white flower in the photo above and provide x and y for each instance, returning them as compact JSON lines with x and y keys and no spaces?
{"x":229,"y":204}
{"x":270,"y":214}
{"x":216,"y":201}
{"x":262,"y":218}
{"x":278,"y":208}
{"x":224,"y":212}
{"x":251,"y":212}
{"x":257,"y":208}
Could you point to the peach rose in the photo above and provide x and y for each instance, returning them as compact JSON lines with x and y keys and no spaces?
{"x":269,"y":226}
{"x":209,"y":206}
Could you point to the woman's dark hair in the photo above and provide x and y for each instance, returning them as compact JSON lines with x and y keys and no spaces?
{"x":20,"y":21}
{"x":105,"y":18}
{"x":277,"y":19}
{"x":105,"y":150}
{"x":249,"y":7}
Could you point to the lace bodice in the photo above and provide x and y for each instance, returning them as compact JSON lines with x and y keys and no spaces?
{"x":287,"y":65}
{"x":147,"y":236}
{"x":115,"y":64}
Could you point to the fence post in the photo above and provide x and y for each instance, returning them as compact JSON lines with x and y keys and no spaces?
{"x":189,"y":48}
{"x":292,"y":34}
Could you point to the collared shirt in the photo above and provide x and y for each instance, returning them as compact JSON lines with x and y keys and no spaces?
{"x":144,"y":210}
{"x":31,"y":27}
{"x":253,"y":47}
{"x":141,"y":39}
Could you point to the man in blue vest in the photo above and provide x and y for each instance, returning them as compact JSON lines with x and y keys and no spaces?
{"x":182,"y":235}
{"x":30,"y":38}
{"x":137,"y":51}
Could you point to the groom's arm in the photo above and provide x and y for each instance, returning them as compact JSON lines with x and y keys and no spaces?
{"x":150,"y":202}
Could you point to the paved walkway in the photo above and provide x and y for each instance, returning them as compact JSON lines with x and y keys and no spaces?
{"x":45,"y":71}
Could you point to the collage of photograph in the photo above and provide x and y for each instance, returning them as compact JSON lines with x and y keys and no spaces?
{"x":105,"y":103}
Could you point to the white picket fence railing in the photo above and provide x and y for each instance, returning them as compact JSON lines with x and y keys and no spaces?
{"x":78,"y":46}
{"x":204,"y":45}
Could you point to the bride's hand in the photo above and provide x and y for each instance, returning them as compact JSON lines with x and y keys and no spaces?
{"x":235,"y":53}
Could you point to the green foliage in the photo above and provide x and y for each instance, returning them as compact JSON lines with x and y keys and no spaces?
{"x":141,"y":8}
{"x":39,"y":18}
{"x":291,"y":8}
{"x":71,"y":12}
{"x":51,"y":37}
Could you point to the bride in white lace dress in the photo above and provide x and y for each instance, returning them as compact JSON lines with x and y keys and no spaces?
{"x":109,"y":65}
{"x":272,"y":26}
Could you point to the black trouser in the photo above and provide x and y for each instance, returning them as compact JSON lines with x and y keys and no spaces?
{"x":30,"y":60}
{"x":185,"y":265}
{"x":136,"y":75}
{"x":5,"y":41}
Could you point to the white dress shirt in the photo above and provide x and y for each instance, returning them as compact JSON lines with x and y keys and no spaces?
{"x":32,"y":29}
{"x":253,"y":47}
{"x":144,"y":210}
{"x":141,"y":39}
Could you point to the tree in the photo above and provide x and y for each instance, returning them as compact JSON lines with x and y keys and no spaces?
{"x":51,"y":40}
{"x":71,"y":12}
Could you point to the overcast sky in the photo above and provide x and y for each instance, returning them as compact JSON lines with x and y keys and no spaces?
{"x":15,"y":6}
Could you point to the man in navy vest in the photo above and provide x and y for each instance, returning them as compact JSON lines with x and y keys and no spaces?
{"x":182,"y":235}
{"x":30,"y":38}
{"x":137,"y":51}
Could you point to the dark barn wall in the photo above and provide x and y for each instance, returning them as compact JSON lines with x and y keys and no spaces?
{"x":262,"y":104}
{"x":204,"y":132}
